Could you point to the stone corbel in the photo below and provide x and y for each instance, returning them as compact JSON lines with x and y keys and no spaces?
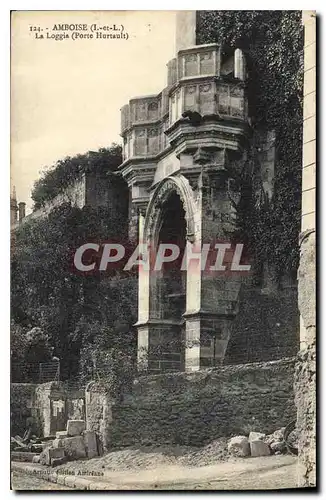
{"x":202,"y":157}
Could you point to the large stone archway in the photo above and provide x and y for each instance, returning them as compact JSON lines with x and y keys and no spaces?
{"x":190,"y":311}
{"x":162,"y":293}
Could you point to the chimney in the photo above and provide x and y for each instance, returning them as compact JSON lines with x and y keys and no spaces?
{"x":21,"y":211}
{"x":239,"y":65}
{"x":13,"y":207}
{"x":185,"y":31}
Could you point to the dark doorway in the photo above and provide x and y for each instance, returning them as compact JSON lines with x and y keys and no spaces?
{"x":168,"y":289}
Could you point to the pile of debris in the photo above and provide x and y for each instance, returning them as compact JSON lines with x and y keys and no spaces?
{"x":32,"y":444}
{"x":24,"y":449}
{"x":258,"y":444}
{"x":72,"y":444}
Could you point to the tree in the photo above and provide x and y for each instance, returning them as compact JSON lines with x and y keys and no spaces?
{"x":65,"y":172}
{"x":75,"y":311}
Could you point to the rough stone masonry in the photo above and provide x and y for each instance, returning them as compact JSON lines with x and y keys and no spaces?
{"x":305,"y":378}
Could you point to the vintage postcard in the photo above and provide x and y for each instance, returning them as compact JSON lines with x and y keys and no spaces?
{"x":162,"y":213}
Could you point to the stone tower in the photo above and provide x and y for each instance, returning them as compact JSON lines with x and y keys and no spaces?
{"x":13,"y":207}
{"x":182,"y":150}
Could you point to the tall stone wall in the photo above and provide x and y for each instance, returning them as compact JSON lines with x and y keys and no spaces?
{"x":74,"y":194}
{"x":195,"y":408}
{"x":265,"y":328}
{"x":108,"y":191}
{"x":305,"y":380}
{"x":99,"y":414}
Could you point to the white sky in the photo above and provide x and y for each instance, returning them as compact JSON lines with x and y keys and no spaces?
{"x":66,"y":95}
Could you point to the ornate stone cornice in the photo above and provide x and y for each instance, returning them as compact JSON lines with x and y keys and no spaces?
{"x":138,"y":170}
{"x":213,"y":132}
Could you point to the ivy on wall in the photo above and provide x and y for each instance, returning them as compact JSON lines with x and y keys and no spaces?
{"x":273,"y":44}
{"x":67,"y":171}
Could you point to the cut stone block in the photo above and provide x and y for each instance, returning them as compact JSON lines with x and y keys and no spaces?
{"x":277,"y":436}
{"x":74,"y":447}
{"x":57,"y":443}
{"x":36,"y":459}
{"x":49,"y":453}
{"x":90,"y":443}
{"x":75,"y":427}
{"x":256,"y":436}
{"x":61,"y":434}
{"x":58,"y":461}
{"x":238,"y":446}
{"x":259,"y":448}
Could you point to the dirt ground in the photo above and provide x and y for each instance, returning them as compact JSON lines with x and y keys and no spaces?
{"x":24,"y":482}
{"x":263,"y":473}
{"x":187,"y":468}
{"x":155,"y":456}
{"x":176,"y":468}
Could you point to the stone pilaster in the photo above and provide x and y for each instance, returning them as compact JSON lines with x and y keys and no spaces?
{"x":143,"y":306}
{"x":305,"y":381}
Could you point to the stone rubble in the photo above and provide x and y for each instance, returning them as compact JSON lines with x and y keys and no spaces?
{"x":278,"y":447}
{"x":72,"y":444}
{"x":256,"y":436}
{"x":49,"y":453}
{"x":259,"y":448}
{"x":66,"y":448}
{"x":258,"y":444}
{"x":238,"y":446}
